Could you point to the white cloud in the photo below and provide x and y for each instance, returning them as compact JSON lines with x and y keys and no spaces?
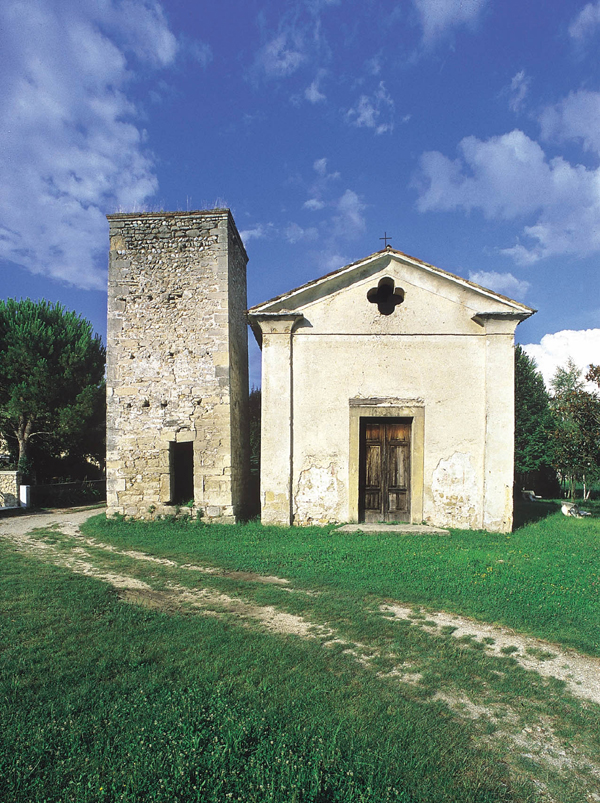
{"x":508,"y":177}
{"x":373,"y":65}
{"x":439,"y":16}
{"x":295,"y":233}
{"x":199,"y":51}
{"x":348,"y":220}
{"x":313,"y":204}
{"x":576,"y":117}
{"x":331,"y":260}
{"x":504,"y":283}
{"x":341,"y":217}
{"x":316,"y":6}
{"x":375,"y":111}
{"x":278,"y":59}
{"x":320,"y":166}
{"x":519,"y":87}
{"x":71,"y":147}
{"x":554,"y":350}
{"x":585,"y":23}
{"x":292,"y":232}
{"x":320,"y":186}
{"x":145,"y":30}
{"x":312,"y":93}
{"x":259,"y":232}
{"x":486,"y":176}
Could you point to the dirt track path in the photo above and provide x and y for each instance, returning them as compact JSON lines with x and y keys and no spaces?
{"x":580,"y":673}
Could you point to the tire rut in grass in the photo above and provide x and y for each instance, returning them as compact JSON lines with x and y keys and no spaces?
{"x":537,"y":743}
{"x":174,"y":598}
{"x":526,"y":735}
{"x":580,"y":673}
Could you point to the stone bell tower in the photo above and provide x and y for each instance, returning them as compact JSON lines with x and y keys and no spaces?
{"x":177,"y":372}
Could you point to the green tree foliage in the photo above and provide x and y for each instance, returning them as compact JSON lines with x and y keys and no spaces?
{"x":52,"y":395}
{"x":534,"y":424}
{"x":254,"y":426}
{"x":593,"y":374}
{"x":567,"y":380}
{"x":254,"y":423}
{"x":577,"y":426}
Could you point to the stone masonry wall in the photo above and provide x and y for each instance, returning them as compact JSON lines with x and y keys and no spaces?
{"x":9,"y":488}
{"x":177,"y":362}
{"x":238,"y":373}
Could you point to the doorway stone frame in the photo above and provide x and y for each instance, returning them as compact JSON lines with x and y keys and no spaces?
{"x":388,"y":408}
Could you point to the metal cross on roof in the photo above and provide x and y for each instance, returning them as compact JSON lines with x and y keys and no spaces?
{"x":385,"y":238}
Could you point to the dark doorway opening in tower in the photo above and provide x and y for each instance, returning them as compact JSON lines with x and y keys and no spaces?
{"x":181,"y":459}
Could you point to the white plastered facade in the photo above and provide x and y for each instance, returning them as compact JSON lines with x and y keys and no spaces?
{"x":443,"y":360}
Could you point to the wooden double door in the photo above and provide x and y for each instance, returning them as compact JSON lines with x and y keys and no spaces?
{"x":384,"y":475}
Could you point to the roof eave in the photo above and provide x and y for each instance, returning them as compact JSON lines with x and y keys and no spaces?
{"x":255,"y":319}
{"x":482,"y":317}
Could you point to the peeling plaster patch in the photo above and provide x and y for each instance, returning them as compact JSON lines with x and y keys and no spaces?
{"x":455,"y":492}
{"x":317,"y":497}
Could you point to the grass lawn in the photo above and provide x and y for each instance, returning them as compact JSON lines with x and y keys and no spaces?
{"x":102,"y":701}
{"x":542,"y":579}
{"x":106,"y":701}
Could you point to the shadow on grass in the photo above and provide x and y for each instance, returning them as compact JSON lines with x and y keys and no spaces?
{"x":528,"y":512}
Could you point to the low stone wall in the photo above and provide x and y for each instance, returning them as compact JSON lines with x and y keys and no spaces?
{"x":9,"y":488}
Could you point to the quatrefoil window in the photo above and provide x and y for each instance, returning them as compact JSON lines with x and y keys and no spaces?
{"x":386,"y":296}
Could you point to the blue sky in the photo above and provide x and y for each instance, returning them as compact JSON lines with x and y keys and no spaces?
{"x":468,"y":130}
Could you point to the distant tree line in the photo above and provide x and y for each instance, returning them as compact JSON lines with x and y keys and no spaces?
{"x":52,"y":392}
{"x":557,"y":433}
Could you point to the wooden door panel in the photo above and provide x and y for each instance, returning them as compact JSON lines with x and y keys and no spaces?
{"x":372,"y":504}
{"x":384,"y":492}
{"x":397,"y":505}
{"x":373,"y":465}
{"x":372,"y":474}
{"x":373,"y":431}
{"x":397,"y":465}
{"x":398,"y":432}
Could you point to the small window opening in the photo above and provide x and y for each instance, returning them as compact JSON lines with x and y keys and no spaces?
{"x":181,"y":459}
{"x":386,"y":296}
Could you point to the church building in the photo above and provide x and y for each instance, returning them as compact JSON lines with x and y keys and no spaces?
{"x":387,"y":385}
{"x":388,"y":395}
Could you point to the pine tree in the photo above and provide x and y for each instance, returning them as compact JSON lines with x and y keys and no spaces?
{"x":51,"y":382}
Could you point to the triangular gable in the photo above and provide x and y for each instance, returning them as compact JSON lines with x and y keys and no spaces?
{"x":330,"y":283}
